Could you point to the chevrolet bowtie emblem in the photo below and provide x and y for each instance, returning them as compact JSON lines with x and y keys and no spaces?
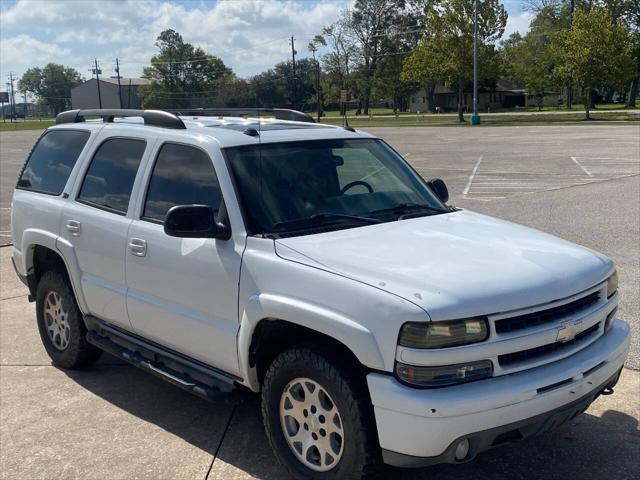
{"x":568,"y":331}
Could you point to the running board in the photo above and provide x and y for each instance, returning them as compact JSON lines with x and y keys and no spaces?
{"x":196,"y":378}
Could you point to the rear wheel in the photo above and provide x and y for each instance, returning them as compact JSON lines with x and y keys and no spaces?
{"x":60,"y":324}
{"x":318,"y":416}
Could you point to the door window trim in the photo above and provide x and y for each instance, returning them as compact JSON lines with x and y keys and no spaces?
{"x":151,"y":168}
{"x":77,"y":198}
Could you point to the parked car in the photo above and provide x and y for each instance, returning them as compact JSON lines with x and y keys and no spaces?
{"x":313,"y":265}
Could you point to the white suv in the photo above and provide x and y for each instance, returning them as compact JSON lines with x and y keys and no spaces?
{"x":312,"y":264}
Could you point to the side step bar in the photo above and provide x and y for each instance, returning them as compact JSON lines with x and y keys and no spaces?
{"x":201,"y":380}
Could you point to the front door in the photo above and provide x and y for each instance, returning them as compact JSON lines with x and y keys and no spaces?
{"x":183,"y":292}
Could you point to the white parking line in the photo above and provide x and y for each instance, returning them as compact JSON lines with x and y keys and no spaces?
{"x":584,"y":169}
{"x":473,"y":174}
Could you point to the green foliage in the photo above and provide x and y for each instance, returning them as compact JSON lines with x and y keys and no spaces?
{"x":51,"y":85}
{"x":596,"y":51}
{"x":529,"y":60}
{"x":445,"y":55}
{"x":180,"y":72}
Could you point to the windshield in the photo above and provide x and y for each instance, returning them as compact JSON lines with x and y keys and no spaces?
{"x":297,"y":186}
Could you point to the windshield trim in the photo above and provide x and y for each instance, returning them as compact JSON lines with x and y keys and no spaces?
{"x":250,"y":227}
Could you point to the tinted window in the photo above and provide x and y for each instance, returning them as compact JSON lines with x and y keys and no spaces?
{"x":51,"y":161}
{"x":288,"y":182}
{"x":110,"y":177}
{"x":182,"y":175}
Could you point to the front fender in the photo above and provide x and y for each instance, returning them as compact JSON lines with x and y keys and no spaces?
{"x":347,"y":331}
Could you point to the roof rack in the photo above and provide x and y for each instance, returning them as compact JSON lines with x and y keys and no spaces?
{"x":155,"y":118}
{"x":279,"y":113}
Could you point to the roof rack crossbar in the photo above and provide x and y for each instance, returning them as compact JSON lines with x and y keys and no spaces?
{"x":154,"y":118}
{"x":278,"y":113}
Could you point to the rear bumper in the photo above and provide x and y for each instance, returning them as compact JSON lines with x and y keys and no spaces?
{"x":423,"y":427}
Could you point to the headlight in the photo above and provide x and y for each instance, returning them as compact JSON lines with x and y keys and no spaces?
{"x":612,"y":284}
{"x":443,"y":334}
{"x":443,"y":375}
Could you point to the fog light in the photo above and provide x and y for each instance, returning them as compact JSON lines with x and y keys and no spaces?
{"x":462,"y":449}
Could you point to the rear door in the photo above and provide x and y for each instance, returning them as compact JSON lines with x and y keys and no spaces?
{"x":183,"y":292}
{"x":96,"y":220}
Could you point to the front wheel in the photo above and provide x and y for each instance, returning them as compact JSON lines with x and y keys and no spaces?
{"x":318,"y":416}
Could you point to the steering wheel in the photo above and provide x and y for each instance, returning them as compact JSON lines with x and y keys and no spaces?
{"x":355,"y":184}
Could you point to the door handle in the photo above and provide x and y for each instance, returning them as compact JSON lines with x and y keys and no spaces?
{"x":74,"y":227}
{"x":137,"y":247}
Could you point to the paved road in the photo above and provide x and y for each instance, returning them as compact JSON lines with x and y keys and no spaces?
{"x":114,"y":421}
{"x":14,"y":148}
{"x":580,"y":182}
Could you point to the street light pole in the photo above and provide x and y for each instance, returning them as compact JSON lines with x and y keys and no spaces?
{"x":475,"y":118}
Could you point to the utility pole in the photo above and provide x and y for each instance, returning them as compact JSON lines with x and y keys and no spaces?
{"x":119,"y":87}
{"x":475,"y":119}
{"x":313,"y":49}
{"x":13,"y":97}
{"x":24,"y":110}
{"x":96,"y":71}
{"x":294,"y":79}
{"x":570,"y":86}
{"x":318,"y":92}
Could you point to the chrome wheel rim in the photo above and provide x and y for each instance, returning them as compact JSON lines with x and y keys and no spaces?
{"x":56,"y":320}
{"x":311,"y":424}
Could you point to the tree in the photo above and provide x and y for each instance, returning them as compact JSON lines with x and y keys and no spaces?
{"x":368,"y":24}
{"x":446,"y":55}
{"x":274,"y":87}
{"x":424,"y":66}
{"x":596,"y":51}
{"x":51,"y":85}
{"x":181,"y":72}
{"x":529,"y":60}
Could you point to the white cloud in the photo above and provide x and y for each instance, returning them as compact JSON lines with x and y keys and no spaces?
{"x":23,"y":51}
{"x":249,"y":35}
{"x":518,"y":23}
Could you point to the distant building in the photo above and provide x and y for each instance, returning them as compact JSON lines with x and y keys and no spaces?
{"x":86,"y":94}
{"x":505,"y":95}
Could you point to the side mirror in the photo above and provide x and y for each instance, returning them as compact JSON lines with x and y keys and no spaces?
{"x":194,"y":221}
{"x":438,"y":187}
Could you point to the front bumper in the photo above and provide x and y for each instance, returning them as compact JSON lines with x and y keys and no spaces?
{"x":422,"y":427}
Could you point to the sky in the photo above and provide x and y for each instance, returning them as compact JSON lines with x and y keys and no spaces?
{"x":249,"y":35}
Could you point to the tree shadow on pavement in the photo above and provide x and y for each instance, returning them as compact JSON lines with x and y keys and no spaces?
{"x":589,"y":447}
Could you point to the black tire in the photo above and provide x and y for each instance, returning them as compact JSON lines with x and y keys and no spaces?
{"x":346,"y":385}
{"x":78,"y":352}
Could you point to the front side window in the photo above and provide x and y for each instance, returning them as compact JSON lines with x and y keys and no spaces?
{"x":109,"y":179}
{"x":51,"y":161}
{"x":182,"y":175}
{"x":282,"y":185}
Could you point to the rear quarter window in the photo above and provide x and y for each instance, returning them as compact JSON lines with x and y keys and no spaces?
{"x":51,"y":161}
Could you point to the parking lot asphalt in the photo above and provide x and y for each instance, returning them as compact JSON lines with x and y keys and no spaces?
{"x":115,"y":422}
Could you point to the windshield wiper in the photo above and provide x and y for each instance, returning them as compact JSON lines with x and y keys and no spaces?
{"x":404,"y":208}
{"x":322,"y":218}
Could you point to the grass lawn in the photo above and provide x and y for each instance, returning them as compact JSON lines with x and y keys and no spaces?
{"x":515,"y":119}
{"x":576,"y":108}
{"x":26,"y":125}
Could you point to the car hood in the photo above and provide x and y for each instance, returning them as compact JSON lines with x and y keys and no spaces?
{"x":454,"y":265}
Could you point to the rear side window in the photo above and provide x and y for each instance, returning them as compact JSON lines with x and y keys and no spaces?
{"x":110,"y":176}
{"x":182,"y":175}
{"x":48,"y":167}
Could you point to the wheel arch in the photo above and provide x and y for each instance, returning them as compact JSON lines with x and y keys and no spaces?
{"x":40,"y":253}
{"x":271,"y":324}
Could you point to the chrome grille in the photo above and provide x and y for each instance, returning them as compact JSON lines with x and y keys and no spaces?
{"x":534,"y":354}
{"x":550,"y":315}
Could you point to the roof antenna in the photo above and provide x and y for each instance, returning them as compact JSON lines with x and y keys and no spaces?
{"x":345,"y":121}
